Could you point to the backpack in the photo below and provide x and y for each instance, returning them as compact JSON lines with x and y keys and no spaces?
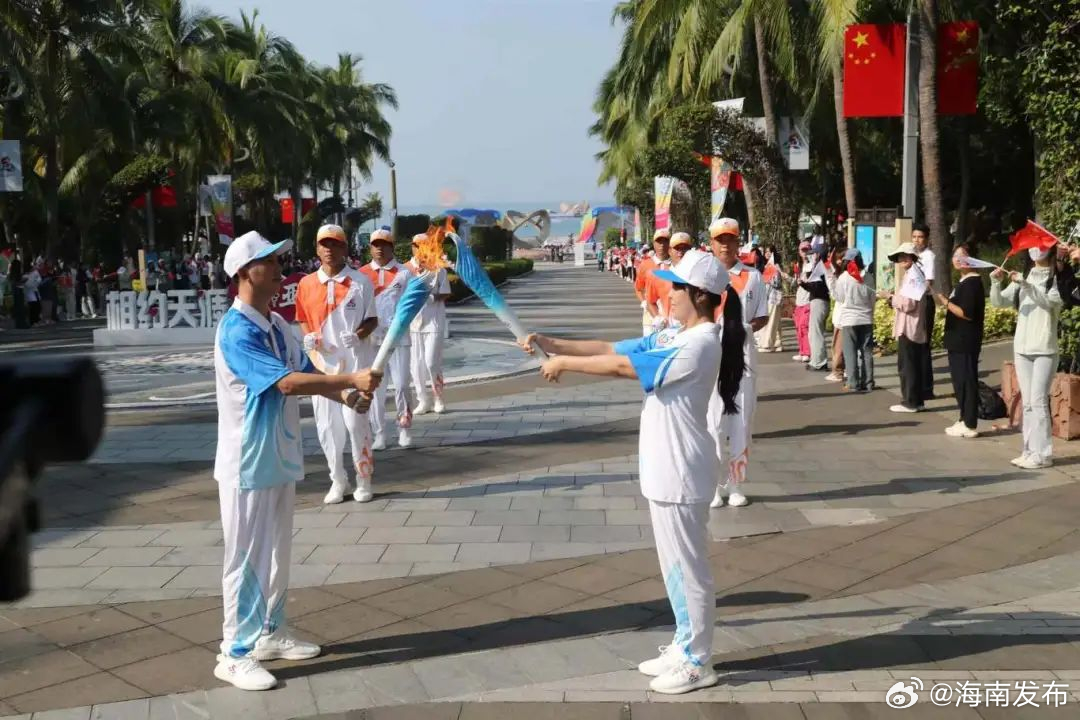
{"x":991,"y":406}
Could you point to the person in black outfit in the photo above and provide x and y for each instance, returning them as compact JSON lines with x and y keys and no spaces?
{"x":920,"y":238}
{"x":965,"y":311}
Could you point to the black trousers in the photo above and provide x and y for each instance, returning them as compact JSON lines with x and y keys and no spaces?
{"x":910,"y":367}
{"x":964,"y":368}
{"x":928,"y":309}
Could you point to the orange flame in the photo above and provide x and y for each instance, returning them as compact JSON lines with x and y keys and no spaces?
{"x":429,"y":252}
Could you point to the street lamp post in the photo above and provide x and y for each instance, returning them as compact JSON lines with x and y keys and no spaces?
{"x":393,"y":201}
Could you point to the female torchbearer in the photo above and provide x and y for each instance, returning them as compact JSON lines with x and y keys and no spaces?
{"x":679,"y":371}
{"x":260,"y":368}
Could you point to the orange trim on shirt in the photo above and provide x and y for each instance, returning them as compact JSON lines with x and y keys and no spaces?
{"x":388,"y":274}
{"x":311,"y":306}
{"x":644,"y":269}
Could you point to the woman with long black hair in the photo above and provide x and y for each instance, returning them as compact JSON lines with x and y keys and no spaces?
{"x":679,"y":371}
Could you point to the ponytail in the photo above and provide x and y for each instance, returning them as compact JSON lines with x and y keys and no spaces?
{"x":732,"y":357}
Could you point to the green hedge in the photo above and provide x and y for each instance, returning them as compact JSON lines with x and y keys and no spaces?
{"x":498,"y":272}
{"x":490,"y":243}
{"x":999,"y":323}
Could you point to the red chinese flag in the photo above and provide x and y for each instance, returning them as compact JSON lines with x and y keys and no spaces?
{"x":1032,"y":235}
{"x":287,"y":211}
{"x":958,"y":68}
{"x":874,"y":70}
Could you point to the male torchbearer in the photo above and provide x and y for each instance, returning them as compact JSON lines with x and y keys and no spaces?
{"x":335,"y":307}
{"x":389,"y":277}
{"x":260,"y":369}
{"x":428,"y":331}
{"x":734,"y":432}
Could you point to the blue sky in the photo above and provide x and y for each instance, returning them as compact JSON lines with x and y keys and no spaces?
{"x":495,"y":95}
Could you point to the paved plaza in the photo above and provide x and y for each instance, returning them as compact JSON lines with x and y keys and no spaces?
{"x":506,"y":565}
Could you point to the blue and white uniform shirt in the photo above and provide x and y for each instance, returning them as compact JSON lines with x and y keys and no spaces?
{"x":259,"y":442}
{"x":678,"y":372}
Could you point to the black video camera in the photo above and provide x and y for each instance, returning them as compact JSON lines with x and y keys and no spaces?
{"x":50,"y":411}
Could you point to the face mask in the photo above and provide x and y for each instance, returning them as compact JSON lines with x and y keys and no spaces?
{"x":1037,"y":253}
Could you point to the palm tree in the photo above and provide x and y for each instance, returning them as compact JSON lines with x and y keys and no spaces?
{"x":928,"y":17}
{"x":832,"y":18}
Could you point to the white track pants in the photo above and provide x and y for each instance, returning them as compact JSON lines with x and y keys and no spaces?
{"x":334,"y":421}
{"x":733,"y":433}
{"x":397,"y":372}
{"x":682,"y":544}
{"x":427,"y":357}
{"x":258,"y":526}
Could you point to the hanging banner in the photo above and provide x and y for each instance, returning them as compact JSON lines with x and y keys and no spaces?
{"x":637,"y":227}
{"x":662,"y":190}
{"x":721,"y":180}
{"x":794,"y":143}
{"x":221,"y":203}
{"x":11,"y":178}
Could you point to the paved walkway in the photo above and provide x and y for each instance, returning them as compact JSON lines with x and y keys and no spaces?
{"x":509,"y":558}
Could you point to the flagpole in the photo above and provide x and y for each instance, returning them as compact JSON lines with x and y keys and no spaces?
{"x":909,"y":188}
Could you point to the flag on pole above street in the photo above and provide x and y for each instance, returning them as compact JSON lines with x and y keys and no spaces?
{"x":874,"y":70}
{"x":958,"y":67}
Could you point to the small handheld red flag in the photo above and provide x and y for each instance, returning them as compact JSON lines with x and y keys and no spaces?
{"x":1032,"y":235}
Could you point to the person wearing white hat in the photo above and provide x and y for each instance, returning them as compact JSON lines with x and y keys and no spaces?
{"x":679,"y":372}
{"x":734,"y":431}
{"x":335,"y":307}
{"x":389,"y":277}
{"x":260,"y":370}
{"x":428,"y":337}
{"x":909,"y":327}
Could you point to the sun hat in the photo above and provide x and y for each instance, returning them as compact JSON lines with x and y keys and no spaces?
{"x":331,"y":232}
{"x":681,"y":238}
{"x":699,"y":269}
{"x":381,"y":235}
{"x":904,"y":249}
{"x":249,"y":247}
{"x":851,"y":254}
{"x":724,"y":226}
{"x":661,"y":233}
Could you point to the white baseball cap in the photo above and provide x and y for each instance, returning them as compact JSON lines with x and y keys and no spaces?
{"x":251,"y":246}
{"x":699,"y":269}
{"x":681,"y":238}
{"x":724,"y":226}
{"x":661,"y":233}
{"x":381,"y":235}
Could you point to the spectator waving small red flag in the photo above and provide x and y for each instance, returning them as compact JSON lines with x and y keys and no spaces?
{"x":1032,"y":235}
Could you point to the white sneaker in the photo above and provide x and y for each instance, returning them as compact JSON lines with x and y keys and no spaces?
{"x":954,"y":429}
{"x":1019,"y":460}
{"x":833,"y":377}
{"x":960,"y":430}
{"x":717,"y":500}
{"x":282,"y":646}
{"x":422,"y":408}
{"x":337,"y":493}
{"x":363,"y":492}
{"x":670,"y":657}
{"x":404,"y":438}
{"x":903,"y":409}
{"x":243,"y":672}
{"x":684,"y":678}
{"x":379,"y":442}
{"x":440,"y":406}
{"x":798,"y":358}
{"x":1034,"y":463}
{"x":737,"y":499}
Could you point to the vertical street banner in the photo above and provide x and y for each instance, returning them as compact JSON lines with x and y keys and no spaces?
{"x":794,"y":143}
{"x":721,"y":181}
{"x":221,"y":204}
{"x":11,"y":177}
{"x":874,"y":57}
{"x":637,"y":227}
{"x":664,"y":186}
{"x":958,"y":68}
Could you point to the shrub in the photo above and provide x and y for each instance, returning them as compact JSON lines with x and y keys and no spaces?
{"x":409,"y":225}
{"x":490,"y":243}
{"x":498,"y":272}
{"x":998,"y":323}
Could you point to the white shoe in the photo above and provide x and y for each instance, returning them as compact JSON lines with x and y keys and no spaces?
{"x":440,"y":406}
{"x":422,"y":408}
{"x":798,"y":358}
{"x":954,"y":429}
{"x":363,"y":492}
{"x":737,"y":499}
{"x":404,"y":438}
{"x":379,"y":442}
{"x":1019,"y":460}
{"x":670,"y":657}
{"x":1033,"y":463}
{"x":243,"y":672}
{"x":684,"y":678}
{"x":903,"y":409}
{"x":960,"y":430}
{"x":337,"y":493}
{"x":282,"y":646}
{"x":833,"y":377}
{"x":717,"y":500}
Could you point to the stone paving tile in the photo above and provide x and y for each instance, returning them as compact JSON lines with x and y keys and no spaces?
{"x":134,"y":577}
{"x":359,"y":573}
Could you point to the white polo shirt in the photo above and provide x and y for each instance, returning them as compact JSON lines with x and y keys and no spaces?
{"x":432,"y":317}
{"x":748,"y":282}
{"x":926,"y":259}
{"x":258,"y":427}
{"x":678,"y":372}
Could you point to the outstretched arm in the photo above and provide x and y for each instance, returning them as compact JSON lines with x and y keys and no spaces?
{"x":607,"y":365}
{"x":557,"y":346}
